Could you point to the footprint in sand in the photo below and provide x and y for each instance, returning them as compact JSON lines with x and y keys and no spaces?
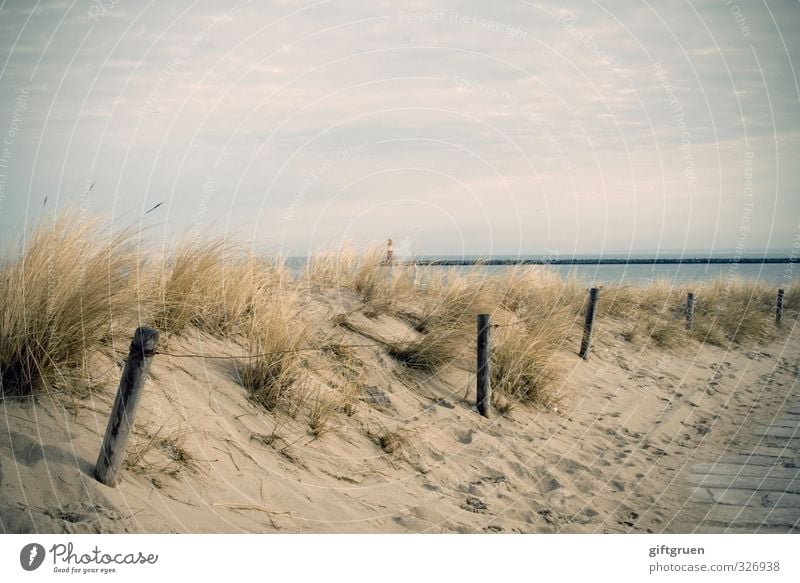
{"x":476,"y":505}
{"x":629,"y":518}
{"x":552,"y":484}
{"x":83,"y":514}
{"x":571,"y":466}
{"x":465,"y":437}
{"x":633,"y":434}
{"x":617,"y":485}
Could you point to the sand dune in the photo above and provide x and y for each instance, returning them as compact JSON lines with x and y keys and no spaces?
{"x":637,"y":431}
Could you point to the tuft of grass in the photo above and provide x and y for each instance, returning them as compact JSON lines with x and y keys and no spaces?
{"x":326,"y":404}
{"x":433,"y":351}
{"x":454,"y":299}
{"x":447,"y":323}
{"x":791,"y":297}
{"x":371,"y":278}
{"x":640,"y":303}
{"x":213,"y":285}
{"x":320,"y":415}
{"x":538,"y":290}
{"x":330,"y":268}
{"x":734,"y":312}
{"x":160,"y":453}
{"x":275,"y":338}
{"x":666,"y":332}
{"x":243,"y":284}
{"x":393,"y":442}
{"x":381,"y":287}
{"x":60,"y":291}
{"x":186,"y":282}
{"x":524,"y":366}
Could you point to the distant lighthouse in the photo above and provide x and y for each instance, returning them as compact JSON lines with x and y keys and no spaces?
{"x":389,"y":253}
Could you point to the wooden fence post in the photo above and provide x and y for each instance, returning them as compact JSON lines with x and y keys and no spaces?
{"x":587,"y":326}
{"x":689,"y":310}
{"x":484,"y":368}
{"x":779,"y":308}
{"x":123,"y":414}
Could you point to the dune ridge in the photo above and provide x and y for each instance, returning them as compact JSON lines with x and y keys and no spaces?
{"x":342,"y":400}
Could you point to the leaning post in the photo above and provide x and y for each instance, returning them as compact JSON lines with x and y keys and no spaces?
{"x":588,"y":324}
{"x":779,"y":308}
{"x":123,"y":413}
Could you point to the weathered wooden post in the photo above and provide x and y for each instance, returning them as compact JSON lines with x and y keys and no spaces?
{"x":587,"y":325}
{"x":779,"y":308}
{"x":484,"y":383}
{"x":120,"y":424}
{"x":689,"y":310}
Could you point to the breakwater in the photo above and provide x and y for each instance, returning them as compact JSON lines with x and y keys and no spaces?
{"x":600,"y":261}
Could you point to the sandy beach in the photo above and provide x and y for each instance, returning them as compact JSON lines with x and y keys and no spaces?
{"x":630,"y":445}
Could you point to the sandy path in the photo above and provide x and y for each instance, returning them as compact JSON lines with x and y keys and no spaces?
{"x":746,"y":477}
{"x":757,"y":490}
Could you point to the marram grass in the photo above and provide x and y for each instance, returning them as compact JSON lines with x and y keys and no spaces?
{"x":68,"y":284}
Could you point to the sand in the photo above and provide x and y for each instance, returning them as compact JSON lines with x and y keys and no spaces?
{"x":642,"y":442}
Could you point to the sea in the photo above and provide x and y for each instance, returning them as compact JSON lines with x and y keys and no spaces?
{"x":769,"y":273}
{"x":777,"y":274}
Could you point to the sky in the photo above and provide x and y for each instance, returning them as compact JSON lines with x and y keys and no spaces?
{"x":458,"y":127}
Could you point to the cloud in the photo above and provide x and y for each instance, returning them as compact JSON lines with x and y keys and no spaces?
{"x":627,"y":110}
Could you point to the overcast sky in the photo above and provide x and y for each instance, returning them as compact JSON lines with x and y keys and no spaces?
{"x":453,"y":127}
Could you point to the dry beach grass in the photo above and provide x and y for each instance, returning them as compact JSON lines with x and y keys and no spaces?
{"x":320,"y":355}
{"x":69,"y":282}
